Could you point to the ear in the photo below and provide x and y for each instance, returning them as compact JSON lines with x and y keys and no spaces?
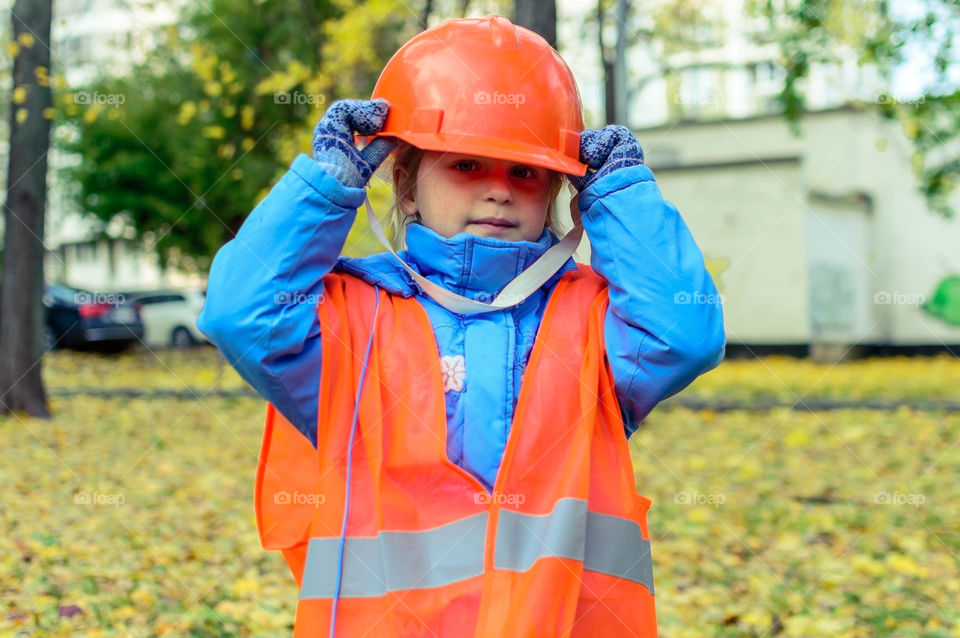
{"x":407,"y":202}
{"x":408,"y":206}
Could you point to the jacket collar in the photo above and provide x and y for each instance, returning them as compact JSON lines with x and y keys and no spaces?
{"x":472,"y":266}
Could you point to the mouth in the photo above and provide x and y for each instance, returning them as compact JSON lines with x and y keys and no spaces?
{"x":494,"y":222}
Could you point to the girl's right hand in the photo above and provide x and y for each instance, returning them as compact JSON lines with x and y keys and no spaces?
{"x":333,"y":145}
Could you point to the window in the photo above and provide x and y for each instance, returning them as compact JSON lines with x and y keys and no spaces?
{"x":85,"y":252}
{"x":699,"y":90}
{"x":767,"y":76}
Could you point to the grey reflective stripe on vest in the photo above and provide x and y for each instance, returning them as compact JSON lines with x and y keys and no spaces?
{"x":616,"y":547}
{"x":393,"y":561}
{"x":613,"y":545}
{"x":523,"y":538}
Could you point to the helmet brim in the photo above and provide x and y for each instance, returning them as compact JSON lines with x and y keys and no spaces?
{"x":493,"y":148}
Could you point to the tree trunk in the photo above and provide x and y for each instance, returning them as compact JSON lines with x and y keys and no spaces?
{"x":609,"y":83}
{"x":22,"y":317}
{"x":615,"y":94}
{"x":425,"y":14}
{"x":540,"y":16}
{"x":620,"y":93}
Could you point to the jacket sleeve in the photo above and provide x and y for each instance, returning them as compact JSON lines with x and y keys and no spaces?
{"x":664,"y":324}
{"x":264,"y":284}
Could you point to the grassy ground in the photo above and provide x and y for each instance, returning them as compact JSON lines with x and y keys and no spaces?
{"x":134,"y":516}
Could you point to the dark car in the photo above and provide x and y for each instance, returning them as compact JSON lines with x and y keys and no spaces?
{"x":86,"y":320}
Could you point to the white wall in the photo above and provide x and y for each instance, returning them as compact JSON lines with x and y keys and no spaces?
{"x":841,"y":154}
{"x":751,"y":230}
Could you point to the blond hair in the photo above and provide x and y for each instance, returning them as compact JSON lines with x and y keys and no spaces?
{"x":406,"y":165}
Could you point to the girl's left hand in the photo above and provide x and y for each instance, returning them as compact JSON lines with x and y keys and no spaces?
{"x":605,"y":151}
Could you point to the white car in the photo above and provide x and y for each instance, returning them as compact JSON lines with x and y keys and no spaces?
{"x":170,"y":317}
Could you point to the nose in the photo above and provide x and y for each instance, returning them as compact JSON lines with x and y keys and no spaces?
{"x":497,"y":187}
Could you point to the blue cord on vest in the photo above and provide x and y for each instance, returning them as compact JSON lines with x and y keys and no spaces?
{"x":353,"y":429}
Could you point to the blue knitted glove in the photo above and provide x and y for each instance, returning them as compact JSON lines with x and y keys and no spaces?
{"x":605,"y":151}
{"x":333,"y":146}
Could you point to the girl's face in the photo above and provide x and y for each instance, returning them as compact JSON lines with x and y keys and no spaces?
{"x":458,"y":193}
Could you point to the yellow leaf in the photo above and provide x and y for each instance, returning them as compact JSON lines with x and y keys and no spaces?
{"x":797,"y":438}
{"x":123,"y":613}
{"x":203,"y":64}
{"x":245,"y":586}
{"x":749,"y":469}
{"x":246,"y":117}
{"x":867,"y":565}
{"x":906,"y":565}
{"x":167,"y":469}
{"x":756,"y":618}
{"x":912,"y":129}
{"x":26,"y":40}
{"x":19,"y":95}
{"x":213,"y":89}
{"x":227,"y":74}
{"x":21,"y":116}
{"x":214,"y":132}
{"x":247,"y":143}
{"x":142,"y":596}
{"x":230,"y":608}
{"x":298,"y":70}
{"x":91,"y":113}
{"x":40,"y":72}
{"x":13,"y":49}
{"x":49,"y":113}
{"x":187,"y":111}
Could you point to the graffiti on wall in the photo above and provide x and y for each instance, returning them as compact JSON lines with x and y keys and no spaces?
{"x":833,"y":296}
{"x":944,"y":303}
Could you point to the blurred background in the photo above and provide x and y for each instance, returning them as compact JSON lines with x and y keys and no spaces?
{"x":806,"y":487}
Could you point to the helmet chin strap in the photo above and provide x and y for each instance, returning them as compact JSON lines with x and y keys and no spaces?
{"x":514,"y":293}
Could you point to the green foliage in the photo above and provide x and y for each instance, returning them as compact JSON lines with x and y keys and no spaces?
{"x":185,"y":145}
{"x":932,"y":122}
{"x":817,"y":31}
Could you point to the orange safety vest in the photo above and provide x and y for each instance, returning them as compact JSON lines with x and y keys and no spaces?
{"x":560,"y":548}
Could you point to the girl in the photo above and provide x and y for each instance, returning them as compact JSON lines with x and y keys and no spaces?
{"x":445,"y":450}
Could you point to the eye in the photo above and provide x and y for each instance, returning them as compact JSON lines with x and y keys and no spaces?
{"x":465,"y":165}
{"x":524,"y":172}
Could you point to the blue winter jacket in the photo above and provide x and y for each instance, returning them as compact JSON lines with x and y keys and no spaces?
{"x":663,"y":328}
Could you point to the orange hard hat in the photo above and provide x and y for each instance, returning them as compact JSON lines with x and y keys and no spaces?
{"x":484,"y":86}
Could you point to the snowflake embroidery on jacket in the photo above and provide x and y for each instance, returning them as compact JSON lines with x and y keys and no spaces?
{"x":454,"y":370}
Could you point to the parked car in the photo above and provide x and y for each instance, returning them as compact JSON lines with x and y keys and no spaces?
{"x":170,"y":317}
{"x":82,"y":319}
